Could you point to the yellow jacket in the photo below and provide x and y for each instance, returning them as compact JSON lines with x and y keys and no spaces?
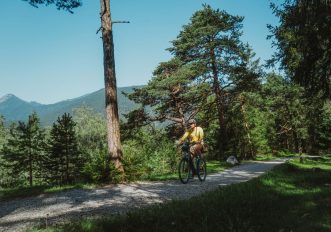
{"x":195,"y":135}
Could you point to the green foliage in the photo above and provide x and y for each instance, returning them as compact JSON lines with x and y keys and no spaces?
{"x":64,"y":162}
{"x":92,"y":142}
{"x":303,"y":39}
{"x":172,"y":94}
{"x":248,"y":127}
{"x":24,"y":151}
{"x":5,"y":178}
{"x":287,"y":111}
{"x":324,"y":128}
{"x":151,"y":154}
{"x":2,"y":133}
{"x":210,"y":64}
{"x":60,"y":4}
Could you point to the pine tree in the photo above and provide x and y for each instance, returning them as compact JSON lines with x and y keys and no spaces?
{"x":172,"y":94}
{"x":285,"y":102}
{"x":24,"y":151}
{"x":64,"y":161}
{"x":2,"y":133}
{"x":303,"y":42}
{"x":211,"y":41}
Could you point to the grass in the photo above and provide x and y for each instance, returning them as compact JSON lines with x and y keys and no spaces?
{"x":278,"y":154}
{"x":213,"y":166}
{"x":291,"y":197}
{"x":20,"y":192}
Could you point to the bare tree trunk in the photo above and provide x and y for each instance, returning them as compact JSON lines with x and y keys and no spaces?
{"x":114,"y":142}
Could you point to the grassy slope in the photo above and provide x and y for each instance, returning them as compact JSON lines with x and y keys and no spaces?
{"x":292,"y":197}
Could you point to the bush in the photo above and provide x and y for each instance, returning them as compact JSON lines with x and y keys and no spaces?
{"x":150,"y":154}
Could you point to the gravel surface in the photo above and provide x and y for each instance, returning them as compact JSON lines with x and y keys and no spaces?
{"x":58,"y":208}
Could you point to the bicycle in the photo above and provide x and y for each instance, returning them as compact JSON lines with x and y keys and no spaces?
{"x":188,"y":167}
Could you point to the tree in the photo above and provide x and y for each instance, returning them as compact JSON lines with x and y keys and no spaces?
{"x":113,"y":125}
{"x":211,"y":41}
{"x":113,"y":128}
{"x":172,"y":95}
{"x":2,"y":133}
{"x":324,"y":128}
{"x":64,"y":163}
{"x":303,"y":42}
{"x":24,"y":150}
{"x":285,"y":102}
{"x":92,"y":142}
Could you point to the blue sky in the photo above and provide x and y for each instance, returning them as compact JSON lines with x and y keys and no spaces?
{"x":48,"y":55}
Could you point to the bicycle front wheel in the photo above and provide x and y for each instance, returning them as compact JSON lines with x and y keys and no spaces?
{"x":202,"y":169}
{"x":184,"y":170}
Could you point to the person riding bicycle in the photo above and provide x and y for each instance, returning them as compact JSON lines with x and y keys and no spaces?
{"x":194,"y":134}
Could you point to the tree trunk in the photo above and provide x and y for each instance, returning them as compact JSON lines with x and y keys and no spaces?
{"x":114,"y":142}
{"x":220,"y":105}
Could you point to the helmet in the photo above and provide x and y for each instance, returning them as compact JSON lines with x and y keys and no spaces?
{"x":190,"y":122}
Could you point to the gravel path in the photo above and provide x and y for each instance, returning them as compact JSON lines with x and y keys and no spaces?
{"x":18,"y":215}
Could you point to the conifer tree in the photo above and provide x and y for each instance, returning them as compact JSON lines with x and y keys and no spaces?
{"x":172,"y":94}
{"x":24,"y":150}
{"x":3,"y":138}
{"x":286,"y":106}
{"x":211,"y":41}
{"x":2,"y":133}
{"x":303,"y":42}
{"x":64,"y":161}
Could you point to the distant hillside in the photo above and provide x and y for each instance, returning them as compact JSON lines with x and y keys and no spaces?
{"x":14,"y":108}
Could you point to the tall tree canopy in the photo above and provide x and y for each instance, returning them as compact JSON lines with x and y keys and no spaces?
{"x":172,"y":94}
{"x":303,"y":42}
{"x":211,"y":41}
{"x":60,"y":4}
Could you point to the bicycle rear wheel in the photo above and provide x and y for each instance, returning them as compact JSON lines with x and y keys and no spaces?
{"x":184,"y":170}
{"x":202,"y":169}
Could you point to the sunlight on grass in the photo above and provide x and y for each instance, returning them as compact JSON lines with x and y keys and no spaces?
{"x":295,"y":199}
{"x":264,"y":157}
{"x":322,"y":163}
{"x":288,"y":188}
{"x":213,"y":166}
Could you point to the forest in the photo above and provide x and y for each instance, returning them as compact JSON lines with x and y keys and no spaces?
{"x":247,"y":109}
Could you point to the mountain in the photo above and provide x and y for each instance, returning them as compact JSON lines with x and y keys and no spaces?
{"x":14,"y":108}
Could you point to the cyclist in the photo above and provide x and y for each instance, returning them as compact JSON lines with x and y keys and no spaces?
{"x":194,"y":134}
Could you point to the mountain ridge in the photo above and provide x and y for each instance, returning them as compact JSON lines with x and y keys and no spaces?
{"x":16,"y":109}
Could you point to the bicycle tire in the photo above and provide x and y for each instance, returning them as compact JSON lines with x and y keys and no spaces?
{"x":202,"y":169}
{"x":184,"y":170}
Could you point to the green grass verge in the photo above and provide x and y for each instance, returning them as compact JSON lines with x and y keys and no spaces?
{"x":291,"y":197}
{"x":213,"y":166}
{"x":279,"y":154}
